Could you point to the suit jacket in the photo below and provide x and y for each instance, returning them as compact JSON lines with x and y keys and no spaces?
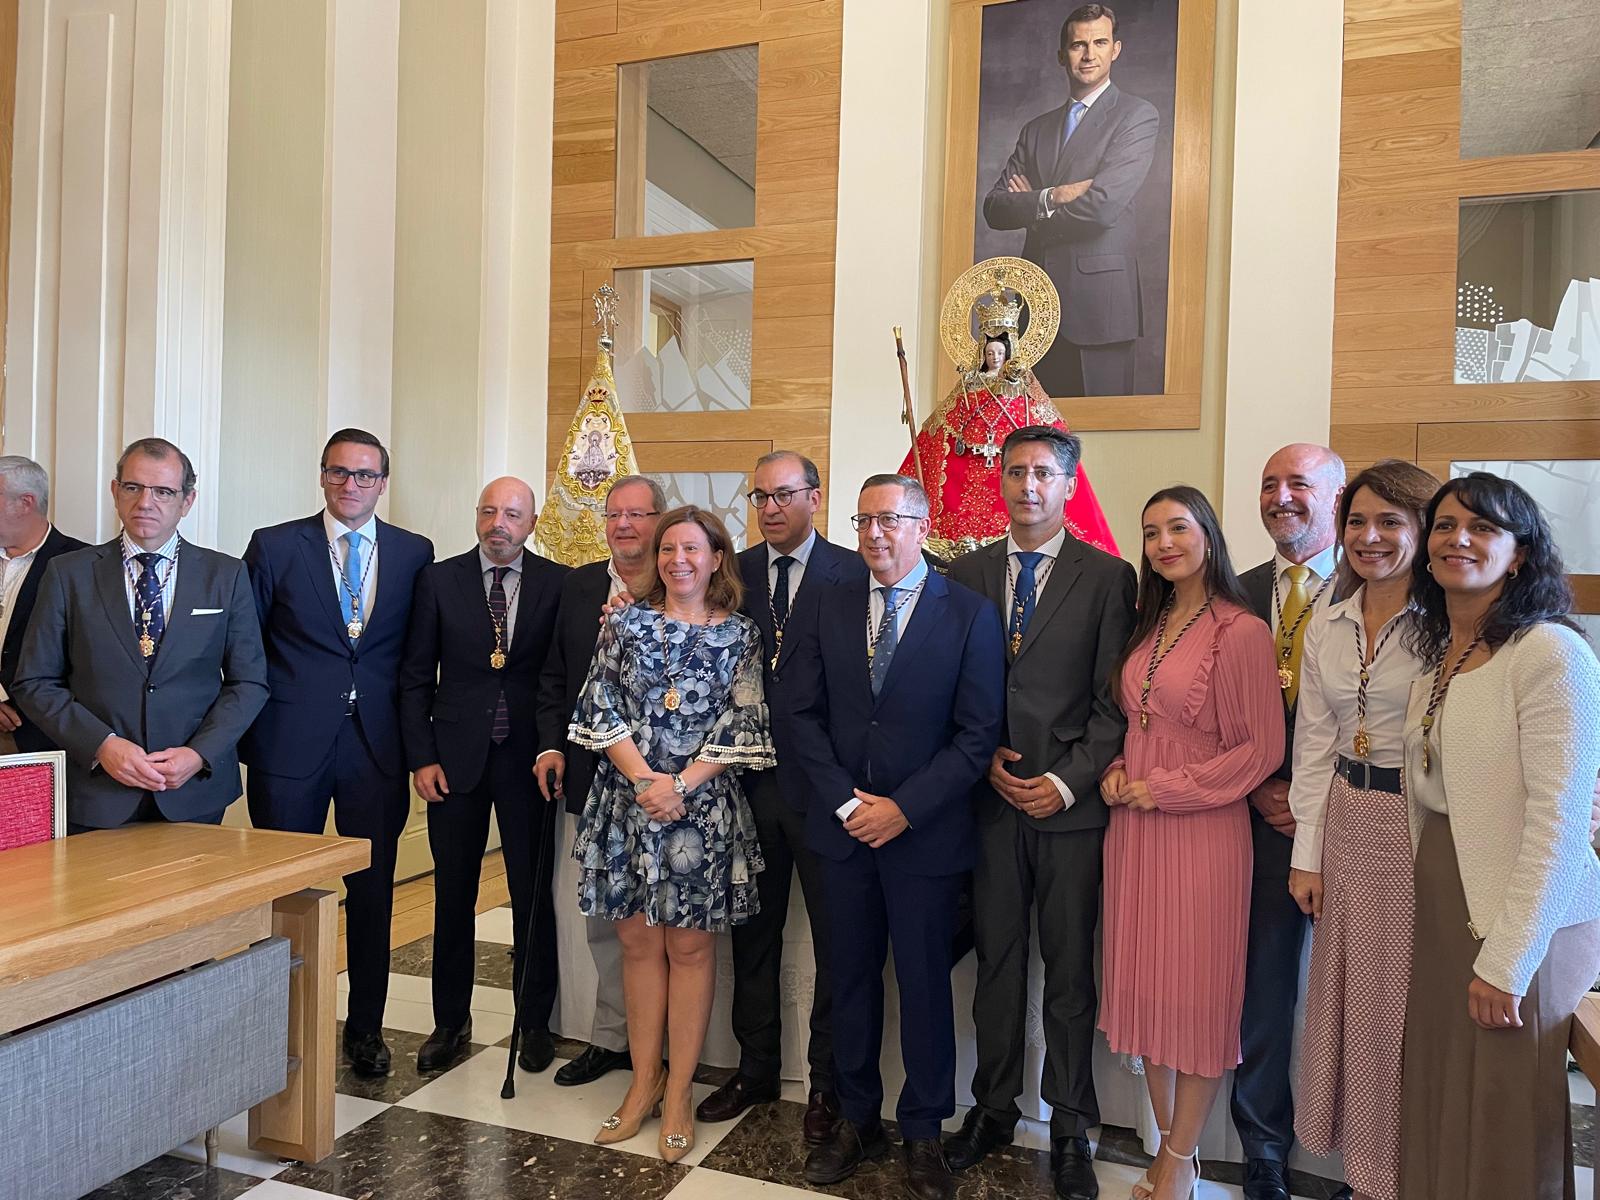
{"x":1257,"y":582}
{"x":311,"y":663}
{"x":923,"y":741}
{"x":583,"y":595}
{"x":1089,"y":247}
{"x":448,"y":690}
{"x":828,"y":565}
{"x":27,"y":735}
{"x":81,"y":678}
{"x":1059,"y":712}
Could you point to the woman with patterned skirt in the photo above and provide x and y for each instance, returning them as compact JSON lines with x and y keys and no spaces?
{"x":1351,"y":870}
{"x":666,"y":843}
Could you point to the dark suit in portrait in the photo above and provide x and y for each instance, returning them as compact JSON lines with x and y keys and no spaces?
{"x":1088,"y":246}
{"x":477,"y":723}
{"x":923,"y":741}
{"x":331,"y":732}
{"x":81,"y":678}
{"x":1059,"y":715}
{"x":27,"y":735}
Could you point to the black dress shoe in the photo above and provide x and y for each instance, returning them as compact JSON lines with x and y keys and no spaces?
{"x":1345,"y":1193}
{"x":732,"y":1098}
{"x":849,"y":1147}
{"x":822,"y":1114}
{"x":979,"y":1134}
{"x":537,"y":1051}
{"x":594,"y":1062}
{"x":927,"y":1173}
{"x":444,"y":1046}
{"x":1263,"y":1180}
{"x":367,"y":1052}
{"x":1072,"y":1168}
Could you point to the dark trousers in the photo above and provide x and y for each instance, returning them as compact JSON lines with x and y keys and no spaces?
{"x":148,"y":810}
{"x":758,"y":944}
{"x":871,"y":909}
{"x":458,"y":832}
{"x":1022,"y":869}
{"x":368,"y":802}
{"x":1263,"y":1102}
{"x":1068,"y":369}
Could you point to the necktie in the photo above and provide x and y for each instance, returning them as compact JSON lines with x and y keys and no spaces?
{"x":1291,"y":629}
{"x":884,"y":651}
{"x":352,"y":576}
{"x":501,"y":729}
{"x":1022,"y":597}
{"x":1074,"y":116}
{"x":780,"y":597}
{"x":150,"y":618}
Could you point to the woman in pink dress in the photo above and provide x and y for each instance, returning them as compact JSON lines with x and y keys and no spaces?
{"x":1198,"y":681}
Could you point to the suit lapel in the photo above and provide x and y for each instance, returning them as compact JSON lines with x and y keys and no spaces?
{"x":524,"y":600}
{"x":186,"y":594}
{"x":1098,"y":116}
{"x":109,"y":578}
{"x":474,"y":601}
{"x":927,"y":613}
{"x":1061,"y":580}
{"x":1055,"y":127}
{"x":994,"y":574}
{"x":314,"y":549}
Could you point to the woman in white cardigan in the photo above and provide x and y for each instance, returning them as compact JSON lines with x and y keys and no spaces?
{"x":1502,"y":746}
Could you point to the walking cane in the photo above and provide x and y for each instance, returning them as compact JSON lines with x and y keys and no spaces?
{"x":541,"y":897}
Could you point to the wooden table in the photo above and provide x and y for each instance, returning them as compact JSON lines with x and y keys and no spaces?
{"x":90,"y":916}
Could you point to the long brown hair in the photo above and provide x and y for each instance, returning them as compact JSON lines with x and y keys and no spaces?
{"x":726,"y":589}
{"x":1154,"y":591}
{"x":1394,"y":481}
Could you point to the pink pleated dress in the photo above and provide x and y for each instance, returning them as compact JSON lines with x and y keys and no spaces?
{"x":1177,"y":879}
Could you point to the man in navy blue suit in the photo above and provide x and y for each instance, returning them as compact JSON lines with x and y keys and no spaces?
{"x":896,"y":701}
{"x":333,"y":592}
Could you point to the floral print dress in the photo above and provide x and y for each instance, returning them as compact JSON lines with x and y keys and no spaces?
{"x":697,"y":872}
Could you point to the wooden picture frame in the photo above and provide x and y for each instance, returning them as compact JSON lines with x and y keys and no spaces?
{"x":1178,"y":406}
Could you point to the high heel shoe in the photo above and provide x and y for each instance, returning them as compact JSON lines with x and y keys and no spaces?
{"x":1194,"y":1188}
{"x":1143,"y":1189}
{"x":616,"y":1129}
{"x":674,"y":1146}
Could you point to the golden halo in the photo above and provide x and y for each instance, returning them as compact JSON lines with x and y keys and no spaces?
{"x":1014,"y":274}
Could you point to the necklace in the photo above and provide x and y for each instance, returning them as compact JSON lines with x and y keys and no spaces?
{"x":1287,"y":636}
{"x":1020,"y":603}
{"x":1362,"y":743}
{"x":889,"y":614}
{"x":1158,"y":655}
{"x":674,"y":697}
{"x":497,"y":657}
{"x":777,"y":627}
{"x":1436,"y":695}
{"x":147,"y":642}
{"x":356,"y":625}
{"x":990,"y":449}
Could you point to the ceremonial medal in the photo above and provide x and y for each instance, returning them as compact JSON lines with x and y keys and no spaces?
{"x":1016,"y":644}
{"x":1285,"y":677}
{"x":1361,"y":743}
{"x":147,"y":645}
{"x":1158,"y":655}
{"x":672,"y":699}
{"x":354,"y":628}
{"x":497,"y":659}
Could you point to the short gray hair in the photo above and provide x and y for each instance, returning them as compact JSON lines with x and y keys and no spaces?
{"x":161,"y":450}
{"x":24,"y":477}
{"x":915,"y":498}
{"x":658,"y":495}
{"x":807,"y":467}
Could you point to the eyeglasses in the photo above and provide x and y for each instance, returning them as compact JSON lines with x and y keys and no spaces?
{"x":632,"y":514}
{"x":885,"y":520}
{"x":1039,"y":474}
{"x":339,"y":476}
{"x":782,"y":497}
{"x":134,"y":491}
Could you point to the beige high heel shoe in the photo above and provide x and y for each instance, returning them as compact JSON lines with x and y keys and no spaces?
{"x":674,"y":1146}
{"x":616,"y":1129}
{"x":1143,"y":1189}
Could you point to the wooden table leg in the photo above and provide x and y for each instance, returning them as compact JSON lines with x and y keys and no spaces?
{"x":297,"y":1123}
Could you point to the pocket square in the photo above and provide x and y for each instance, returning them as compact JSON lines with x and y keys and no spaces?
{"x":204,"y":612}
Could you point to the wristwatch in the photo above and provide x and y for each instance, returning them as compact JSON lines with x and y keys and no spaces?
{"x":679,"y":786}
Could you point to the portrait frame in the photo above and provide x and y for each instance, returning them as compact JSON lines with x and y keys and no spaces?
{"x":1178,"y":406}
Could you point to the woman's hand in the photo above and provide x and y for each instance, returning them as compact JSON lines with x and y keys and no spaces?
{"x":1112,"y":785}
{"x":660,"y":799}
{"x":1306,"y":888}
{"x":1491,"y":1008}
{"x":1136,"y":795}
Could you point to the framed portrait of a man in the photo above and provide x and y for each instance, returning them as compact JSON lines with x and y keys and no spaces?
{"x":1079,"y":140}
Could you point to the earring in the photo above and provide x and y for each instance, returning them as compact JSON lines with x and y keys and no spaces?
{"x":1513,"y":572}
{"x":1430,"y":567}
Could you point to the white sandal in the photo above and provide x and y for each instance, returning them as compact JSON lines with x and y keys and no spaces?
{"x":1142,"y":1187}
{"x":1194,"y":1188}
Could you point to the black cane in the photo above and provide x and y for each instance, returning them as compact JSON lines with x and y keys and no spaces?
{"x":541,"y":896}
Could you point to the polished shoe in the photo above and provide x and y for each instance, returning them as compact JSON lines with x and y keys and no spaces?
{"x":927,"y":1173}
{"x":849,"y":1147}
{"x":733,"y":1097}
{"x":444,"y":1045}
{"x":1072,"y":1168}
{"x":617,"y":1128}
{"x":1345,"y":1193}
{"x":367,"y":1052}
{"x":822,"y":1114}
{"x":538,"y":1050}
{"x":594,"y":1062}
{"x":1264,"y":1180}
{"x":978,"y":1136}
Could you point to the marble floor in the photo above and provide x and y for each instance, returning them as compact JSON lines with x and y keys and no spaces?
{"x":452,"y":1136}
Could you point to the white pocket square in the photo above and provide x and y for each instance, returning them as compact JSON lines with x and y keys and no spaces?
{"x":204,"y":612}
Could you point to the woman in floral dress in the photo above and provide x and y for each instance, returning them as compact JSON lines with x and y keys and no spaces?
{"x":666,"y":843}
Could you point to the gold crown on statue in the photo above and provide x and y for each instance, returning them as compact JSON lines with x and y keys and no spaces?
{"x":996,"y":314}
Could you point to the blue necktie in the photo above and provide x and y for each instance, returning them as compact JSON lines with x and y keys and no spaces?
{"x":891,"y":637}
{"x":150,"y":614}
{"x":1022,"y":596}
{"x":352,"y":576}
{"x":1074,"y":115}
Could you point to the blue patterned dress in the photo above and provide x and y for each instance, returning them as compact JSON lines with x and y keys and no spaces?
{"x":697,"y":872}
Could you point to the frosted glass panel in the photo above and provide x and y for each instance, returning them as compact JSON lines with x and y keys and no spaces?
{"x":722,"y":492}
{"x":683,"y":337}
{"x":1568,"y":492}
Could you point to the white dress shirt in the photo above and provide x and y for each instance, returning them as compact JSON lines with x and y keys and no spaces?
{"x":876,"y":603}
{"x":512,"y":584}
{"x":167,"y":571}
{"x":369,"y":561}
{"x":12,"y":572}
{"x":1045,"y":207}
{"x":1041,"y":576}
{"x":797,"y":569}
{"x":1325,"y":718}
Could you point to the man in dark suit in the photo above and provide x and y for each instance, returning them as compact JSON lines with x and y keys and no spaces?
{"x":27,"y":544}
{"x":143,"y":658}
{"x":783,"y":578}
{"x":1300,"y":489}
{"x":1041,"y":821}
{"x":896,"y":692}
{"x":632,"y":506}
{"x":480,"y":629}
{"x":1071,"y":183}
{"x":333,"y":592}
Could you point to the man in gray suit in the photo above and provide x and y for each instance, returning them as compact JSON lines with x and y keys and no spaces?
{"x":143,"y":658}
{"x":1071,"y":183}
{"x":1068,"y":609}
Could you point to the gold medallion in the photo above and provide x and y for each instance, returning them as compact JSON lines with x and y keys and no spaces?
{"x":1016,"y":644}
{"x":147,"y":645}
{"x":497,"y":659}
{"x":1144,"y":720}
{"x":1285,"y":678}
{"x":354,"y":628}
{"x":1361,"y":743}
{"x":672,"y":699}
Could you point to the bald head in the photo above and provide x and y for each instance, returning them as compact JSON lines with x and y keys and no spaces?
{"x":505,"y":519}
{"x":1300,"y":488}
